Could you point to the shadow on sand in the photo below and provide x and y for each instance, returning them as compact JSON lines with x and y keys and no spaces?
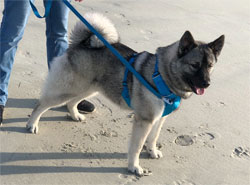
{"x":7,"y":157}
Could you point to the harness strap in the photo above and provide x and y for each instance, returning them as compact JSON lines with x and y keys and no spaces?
{"x":171,"y":100}
{"x":125,"y":91}
{"x":161,"y":86}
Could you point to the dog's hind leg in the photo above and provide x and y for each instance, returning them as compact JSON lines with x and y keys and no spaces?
{"x":45,"y":103}
{"x":72,"y":107}
{"x":152,"y":139}
{"x":141,"y":129}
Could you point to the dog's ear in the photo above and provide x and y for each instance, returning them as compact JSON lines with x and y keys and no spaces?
{"x":186,"y":44}
{"x":217,"y":45}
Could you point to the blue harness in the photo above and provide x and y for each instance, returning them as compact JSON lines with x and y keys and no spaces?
{"x":171,"y":100}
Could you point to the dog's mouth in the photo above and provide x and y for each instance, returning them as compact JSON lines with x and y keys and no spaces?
{"x":197,"y":90}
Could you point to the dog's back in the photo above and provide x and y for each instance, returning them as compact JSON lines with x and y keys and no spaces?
{"x":88,"y":64}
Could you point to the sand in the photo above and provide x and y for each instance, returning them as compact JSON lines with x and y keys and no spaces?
{"x":207,"y":142}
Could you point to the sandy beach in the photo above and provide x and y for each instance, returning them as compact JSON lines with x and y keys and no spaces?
{"x":216,"y":125}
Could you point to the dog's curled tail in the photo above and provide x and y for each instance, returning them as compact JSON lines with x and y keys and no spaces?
{"x":81,"y":34}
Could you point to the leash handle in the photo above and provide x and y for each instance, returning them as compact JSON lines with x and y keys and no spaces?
{"x":47,"y":9}
{"x":113,"y":50}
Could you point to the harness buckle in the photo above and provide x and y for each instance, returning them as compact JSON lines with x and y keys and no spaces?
{"x":167,"y":100}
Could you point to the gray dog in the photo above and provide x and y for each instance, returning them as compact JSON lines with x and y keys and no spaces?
{"x":88,"y":67}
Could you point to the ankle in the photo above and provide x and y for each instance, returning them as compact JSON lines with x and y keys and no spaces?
{"x":1,"y":114}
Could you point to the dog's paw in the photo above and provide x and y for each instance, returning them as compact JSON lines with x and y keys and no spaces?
{"x":139,"y":171}
{"x":78,"y":117}
{"x":32,"y":128}
{"x":155,"y":153}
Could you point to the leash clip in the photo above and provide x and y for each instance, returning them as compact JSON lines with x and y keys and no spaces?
{"x":167,"y":100}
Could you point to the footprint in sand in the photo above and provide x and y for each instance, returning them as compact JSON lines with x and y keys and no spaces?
{"x":241,"y":152}
{"x":184,"y":140}
{"x":109,"y":133}
{"x":69,"y":147}
{"x":123,"y":18}
{"x":128,"y":179}
{"x":147,"y":34}
{"x":171,"y":130}
{"x":206,"y":138}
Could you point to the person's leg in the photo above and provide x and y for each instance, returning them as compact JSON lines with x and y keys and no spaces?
{"x":56,"y":30}
{"x":15,"y":16}
{"x":57,"y":40}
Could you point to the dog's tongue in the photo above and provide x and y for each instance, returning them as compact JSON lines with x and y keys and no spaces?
{"x":199,"y":91}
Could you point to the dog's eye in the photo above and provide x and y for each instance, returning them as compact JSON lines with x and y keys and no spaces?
{"x":195,"y":65}
{"x":210,"y":65}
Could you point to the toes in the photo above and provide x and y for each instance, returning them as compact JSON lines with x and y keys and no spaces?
{"x":138,"y":171}
{"x":78,"y":117}
{"x":81,"y":117}
{"x":155,"y":154}
{"x":158,"y":154}
{"x":32,"y":128}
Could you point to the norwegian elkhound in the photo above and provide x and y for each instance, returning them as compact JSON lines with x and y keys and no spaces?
{"x":88,"y":67}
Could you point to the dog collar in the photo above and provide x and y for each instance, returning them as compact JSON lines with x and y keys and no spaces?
{"x":171,"y":100}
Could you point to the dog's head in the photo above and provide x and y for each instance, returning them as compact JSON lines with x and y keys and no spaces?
{"x":196,"y":60}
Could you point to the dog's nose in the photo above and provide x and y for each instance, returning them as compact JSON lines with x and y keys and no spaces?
{"x":205,"y":84}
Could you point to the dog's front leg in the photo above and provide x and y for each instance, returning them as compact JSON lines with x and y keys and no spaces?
{"x":152,"y":139}
{"x":141,"y":129}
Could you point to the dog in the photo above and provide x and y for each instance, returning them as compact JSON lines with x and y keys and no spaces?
{"x":88,"y":67}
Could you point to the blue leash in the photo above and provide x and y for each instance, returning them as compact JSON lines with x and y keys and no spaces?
{"x":47,"y":9}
